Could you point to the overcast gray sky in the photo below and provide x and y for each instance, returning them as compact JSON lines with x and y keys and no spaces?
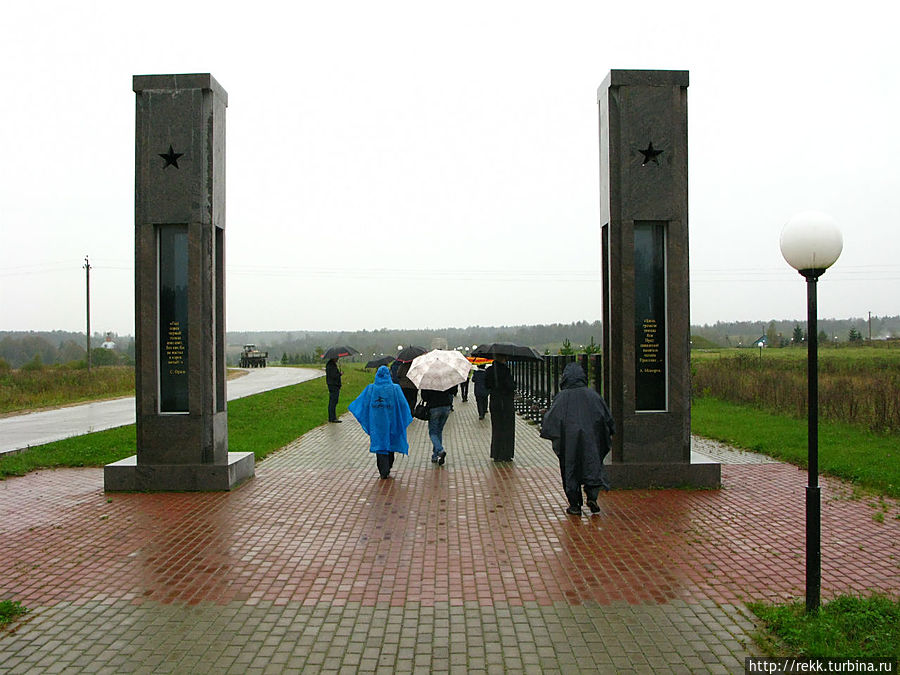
{"x":423,"y":164}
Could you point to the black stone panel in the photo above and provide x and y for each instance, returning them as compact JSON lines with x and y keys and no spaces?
{"x":650,"y":380}
{"x":174,"y":325}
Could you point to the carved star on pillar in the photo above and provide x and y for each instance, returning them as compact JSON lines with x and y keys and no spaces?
{"x":650,"y":155}
{"x":171,"y":157}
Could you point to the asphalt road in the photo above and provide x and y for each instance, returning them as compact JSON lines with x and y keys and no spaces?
{"x":23,"y":431}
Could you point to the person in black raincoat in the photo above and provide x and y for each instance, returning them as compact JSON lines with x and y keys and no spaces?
{"x":333,"y":382}
{"x":502,"y":387}
{"x":580,"y":426}
{"x":479,"y":379}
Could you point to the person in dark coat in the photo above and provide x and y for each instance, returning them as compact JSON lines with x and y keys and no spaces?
{"x":395,"y":374}
{"x":410,"y":391}
{"x":333,"y":382}
{"x":502,"y":388}
{"x":580,"y":426}
{"x":481,"y":391}
{"x":383,"y":413}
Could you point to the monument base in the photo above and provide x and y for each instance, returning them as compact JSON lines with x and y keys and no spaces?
{"x":669,"y":475}
{"x":128,"y":476}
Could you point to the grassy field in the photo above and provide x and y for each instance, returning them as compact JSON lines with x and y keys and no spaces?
{"x":859,"y":386}
{"x":62,"y":385}
{"x":260,"y":424}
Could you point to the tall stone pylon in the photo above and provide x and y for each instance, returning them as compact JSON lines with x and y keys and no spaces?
{"x":180,"y":398}
{"x":646,"y":298}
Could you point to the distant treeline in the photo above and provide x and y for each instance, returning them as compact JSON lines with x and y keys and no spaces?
{"x":783,"y":332}
{"x":306,"y":346}
{"x":19,"y":348}
{"x":47,"y":348}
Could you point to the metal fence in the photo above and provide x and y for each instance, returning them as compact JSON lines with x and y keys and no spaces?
{"x":537,"y":382}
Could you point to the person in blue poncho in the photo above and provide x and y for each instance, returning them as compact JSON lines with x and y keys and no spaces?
{"x":383,"y":413}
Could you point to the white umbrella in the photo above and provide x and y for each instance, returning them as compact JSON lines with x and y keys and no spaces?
{"x":439,"y":369}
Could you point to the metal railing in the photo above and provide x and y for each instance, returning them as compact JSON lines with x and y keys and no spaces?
{"x":537,"y":382}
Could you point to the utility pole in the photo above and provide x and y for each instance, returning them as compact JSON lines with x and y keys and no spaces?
{"x":87,"y":277}
{"x":870,"y":326}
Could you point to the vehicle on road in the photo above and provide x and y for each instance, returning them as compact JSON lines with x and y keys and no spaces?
{"x":251,"y":357}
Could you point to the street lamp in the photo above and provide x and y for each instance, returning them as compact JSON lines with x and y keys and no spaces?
{"x":811,"y":243}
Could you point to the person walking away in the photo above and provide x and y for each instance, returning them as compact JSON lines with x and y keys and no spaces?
{"x":438,"y":403}
{"x":409,"y":389}
{"x":464,"y":389}
{"x":481,"y":391}
{"x":333,"y":382}
{"x":383,"y":413}
{"x":395,"y":367}
{"x":502,"y":388}
{"x":580,"y":426}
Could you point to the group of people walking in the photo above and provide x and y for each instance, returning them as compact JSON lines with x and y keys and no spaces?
{"x":578,"y":422}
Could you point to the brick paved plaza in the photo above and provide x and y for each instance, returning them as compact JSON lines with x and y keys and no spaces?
{"x":317,"y":565}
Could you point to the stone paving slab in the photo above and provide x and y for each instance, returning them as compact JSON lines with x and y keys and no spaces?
{"x":317,"y":565}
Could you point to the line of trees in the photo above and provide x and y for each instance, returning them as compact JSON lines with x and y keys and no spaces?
{"x":783,"y":333}
{"x":38,"y":349}
{"x":307,"y":346}
{"x":61,"y":347}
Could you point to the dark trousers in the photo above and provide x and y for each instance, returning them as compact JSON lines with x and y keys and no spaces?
{"x":481,"y":402}
{"x":384,"y":460}
{"x":464,"y":390}
{"x":333,"y":394}
{"x":572,"y":487}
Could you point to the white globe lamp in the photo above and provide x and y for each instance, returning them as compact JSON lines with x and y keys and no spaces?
{"x":811,"y":243}
{"x":811,"y":240}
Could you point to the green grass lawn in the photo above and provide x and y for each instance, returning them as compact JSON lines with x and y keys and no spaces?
{"x":259,"y":424}
{"x":865,"y":458}
{"x":846,"y":627}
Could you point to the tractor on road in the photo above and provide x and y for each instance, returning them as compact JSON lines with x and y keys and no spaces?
{"x":251,"y":357}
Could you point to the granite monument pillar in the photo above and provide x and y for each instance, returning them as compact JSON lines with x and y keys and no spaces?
{"x":646,"y":297}
{"x":180,"y":398}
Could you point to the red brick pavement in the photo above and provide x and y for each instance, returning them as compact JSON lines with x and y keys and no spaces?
{"x":316,"y":525}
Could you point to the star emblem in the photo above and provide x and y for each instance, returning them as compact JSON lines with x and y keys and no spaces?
{"x":650,"y":155}
{"x":171,"y":157}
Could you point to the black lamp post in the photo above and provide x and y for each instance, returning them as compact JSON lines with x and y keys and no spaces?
{"x":811,"y":243}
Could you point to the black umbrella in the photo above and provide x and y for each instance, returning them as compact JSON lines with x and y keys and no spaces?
{"x":338,"y":352}
{"x":510,"y":351}
{"x":383,"y":361}
{"x":409,"y":353}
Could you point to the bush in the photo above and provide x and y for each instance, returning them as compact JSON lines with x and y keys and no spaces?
{"x":104,"y":357}
{"x":36,"y":364}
